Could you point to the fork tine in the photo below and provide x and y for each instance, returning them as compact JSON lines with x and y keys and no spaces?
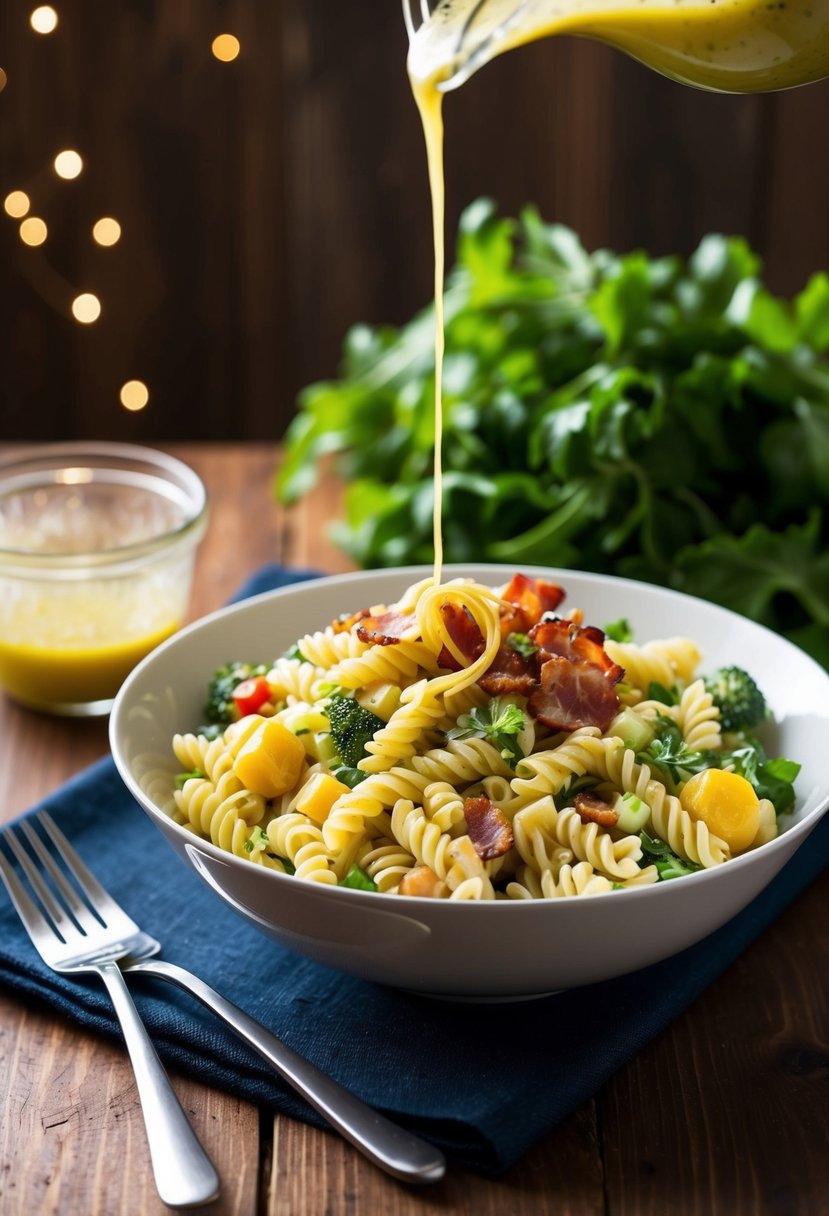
{"x":60,"y":921}
{"x":35,"y":922}
{"x":407,"y":17}
{"x":105,"y":907}
{"x":72,"y":905}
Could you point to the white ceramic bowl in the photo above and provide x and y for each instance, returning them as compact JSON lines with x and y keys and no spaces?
{"x":503,"y":949}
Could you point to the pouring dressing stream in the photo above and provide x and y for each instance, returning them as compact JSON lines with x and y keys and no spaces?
{"x":729,"y":46}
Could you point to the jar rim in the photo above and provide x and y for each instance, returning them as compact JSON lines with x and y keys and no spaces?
{"x":41,"y":464}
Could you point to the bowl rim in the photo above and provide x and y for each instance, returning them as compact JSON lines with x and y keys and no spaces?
{"x":797,"y":831}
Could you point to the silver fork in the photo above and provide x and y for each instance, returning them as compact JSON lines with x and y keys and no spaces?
{"x":467,"y":54}
{"x":391,"y":1148}
{"x":71,"y":940}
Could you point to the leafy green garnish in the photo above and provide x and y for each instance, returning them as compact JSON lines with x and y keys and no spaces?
{"x":661,"y":855}
{"x":619,"y":631}
{"x":358,"y":879}
{"x":675,"y":762}
{"x":521,"y":644}
{"x":257,"y":841}
{"x":660,"y":418}
{"x":349,"y":776}
{"x":220,"y":709}
{"x":501,"y":722}
{"x":181,"y":778}
{"x":658,"y":692}
{"x":772,"y":779}
{"x":670,"y":753}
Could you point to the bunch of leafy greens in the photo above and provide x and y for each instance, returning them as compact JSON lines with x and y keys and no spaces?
{"x":663,"y":419}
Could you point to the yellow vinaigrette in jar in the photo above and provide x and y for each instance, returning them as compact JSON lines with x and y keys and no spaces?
{"x":61,"y":647}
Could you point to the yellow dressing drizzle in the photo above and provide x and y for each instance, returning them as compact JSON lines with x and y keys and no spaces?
{"x":430,"y":104}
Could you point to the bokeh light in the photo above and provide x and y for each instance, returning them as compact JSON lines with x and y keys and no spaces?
{"x":16,"y":204}
{"x":68,"y":164}
{"x":86,"y":308}
{"x":134,"y":395}
{"x":4,"y":80}
{"x":33,"y":231}
{"x":44,"y":19}
{"x":226,"y":47}
{"x":106,"y":231}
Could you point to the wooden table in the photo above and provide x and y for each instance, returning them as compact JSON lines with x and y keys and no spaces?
{"x":727,"y":1114}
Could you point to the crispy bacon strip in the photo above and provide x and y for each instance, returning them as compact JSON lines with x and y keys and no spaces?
{"x":529,"y":599}
{"x":344,"y":624}
{"x":509,"y":672}
{"x":489,"y":829}
{"x":572,"y":694}
{"x":575,"y":642}
{"x":595,"y":810}
{"x":384,"y":630}
{"x":464,"y":631}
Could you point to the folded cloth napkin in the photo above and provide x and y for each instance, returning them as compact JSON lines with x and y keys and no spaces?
{"x":428,"y":1064}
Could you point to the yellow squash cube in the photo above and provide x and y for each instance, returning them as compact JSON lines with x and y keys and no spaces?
{"x":271,"y":760}
{"x":726,"y":802}
{"x":318,"y":795}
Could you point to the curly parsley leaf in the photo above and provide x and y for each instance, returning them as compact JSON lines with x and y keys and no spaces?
{"x":668,"y":865}
{"x":670,"y":754}
{"x":772,"y":779}
{"x":501,"y":722}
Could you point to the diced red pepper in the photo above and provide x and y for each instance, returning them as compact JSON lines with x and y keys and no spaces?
{"x":251,"y":695}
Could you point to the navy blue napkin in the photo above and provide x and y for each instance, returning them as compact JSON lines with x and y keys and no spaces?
{"x":428,"y":1064}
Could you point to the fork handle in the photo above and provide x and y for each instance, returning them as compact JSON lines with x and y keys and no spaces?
{"x":184,"y":1175}
{"x":398,"y":1152}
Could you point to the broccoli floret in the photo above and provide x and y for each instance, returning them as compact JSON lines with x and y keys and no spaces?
{"x":220,"y":709}
{"x":739,"y":700}
{"x":351,"y":728}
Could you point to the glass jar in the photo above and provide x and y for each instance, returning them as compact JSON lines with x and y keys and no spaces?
{"x":97,"y":547}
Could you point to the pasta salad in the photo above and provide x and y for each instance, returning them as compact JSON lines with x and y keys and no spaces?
{"x":477,"y":743}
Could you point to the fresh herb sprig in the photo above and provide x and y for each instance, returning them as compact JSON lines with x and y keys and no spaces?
{"x":501,"y":722}
{"x":670,"y":754}
{"x":668,"y":864}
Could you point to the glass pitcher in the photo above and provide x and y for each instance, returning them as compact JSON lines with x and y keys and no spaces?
{"x":730,"y":46}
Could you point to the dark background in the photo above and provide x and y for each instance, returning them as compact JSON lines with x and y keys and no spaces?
{"x":270,"y":203}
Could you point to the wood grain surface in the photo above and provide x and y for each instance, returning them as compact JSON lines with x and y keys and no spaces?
{"x":726,"y":1114}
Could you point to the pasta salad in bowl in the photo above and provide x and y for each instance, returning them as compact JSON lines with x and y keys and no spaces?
{"x":606,"y":770}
